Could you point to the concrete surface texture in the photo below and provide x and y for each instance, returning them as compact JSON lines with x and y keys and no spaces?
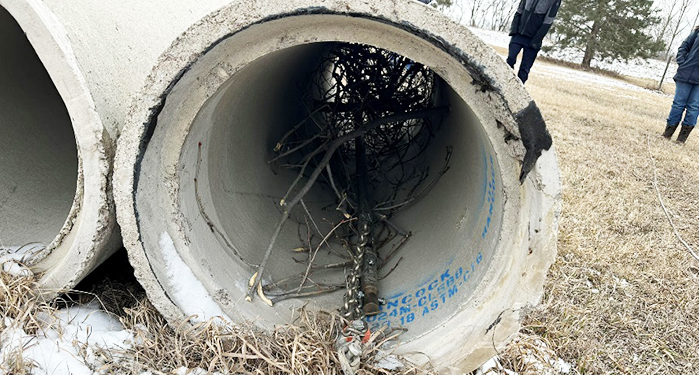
{"x":69,"y":71}
{"x":196,"y":141}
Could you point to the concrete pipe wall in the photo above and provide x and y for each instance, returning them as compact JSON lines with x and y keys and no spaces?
{"x":68,"y":70}
{"x":198,"y":202}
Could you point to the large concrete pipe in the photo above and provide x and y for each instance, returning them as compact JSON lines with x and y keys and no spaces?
{"x":67,"y":73}
{"x":198,"y":201}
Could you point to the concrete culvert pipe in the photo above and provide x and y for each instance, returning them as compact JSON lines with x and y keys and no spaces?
{"x":67,"y":72}
{"x":54,"y":205}
{"x":198,"y":199}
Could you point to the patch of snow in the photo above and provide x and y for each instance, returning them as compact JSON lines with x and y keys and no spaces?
{"x":492,"y":37}
{"x":621,"y":282}
{"x":538,"y":355}
{"x":73,"y":341}
{"x":542,"y":359}
{"x":583,"y":77}
{"x":388,"y":362}
{"x":14,"y":268}
{"x":641,"y":68}
{"x":563,"y":366}
{"x":12,"y":341}
{"x":493,"y":366}
{"x":20,"y":254}
{"x":186,"y":290}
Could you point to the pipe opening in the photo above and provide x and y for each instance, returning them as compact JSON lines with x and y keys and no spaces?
{"x":440,"y":239}
{"x":39,"y":156}
{"x":228,"y":197}
{"x":200,"y":198}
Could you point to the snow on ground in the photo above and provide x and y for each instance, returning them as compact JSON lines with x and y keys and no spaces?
{"x":186,"y":289}
{"x":12,"y":258}
{"x":583,"y":78}
{"x":79,"y":340}
{"x":73,"y":341}
{"x":642,"y":68}
{"x":492,"y":37}
{"x":536,"y":357}
{"x":186,"y":371}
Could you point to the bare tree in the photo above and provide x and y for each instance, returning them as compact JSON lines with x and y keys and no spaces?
{"x":487,"y":14}
{"x":671,"y":28}
{"x":502,"y":12}
{"x":477,"y":13}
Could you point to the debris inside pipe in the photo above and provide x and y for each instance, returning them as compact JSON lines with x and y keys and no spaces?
{"x":369,"y":123}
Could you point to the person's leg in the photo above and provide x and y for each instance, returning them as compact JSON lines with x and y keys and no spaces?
{"x":680,"y":100}
{"x":691,"y":114}
{"x":529,"y":56}
{"x":514,"y":48}
{"x":691,"y":107}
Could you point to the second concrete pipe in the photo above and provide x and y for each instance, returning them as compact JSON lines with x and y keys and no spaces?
{"x":68,"y":71}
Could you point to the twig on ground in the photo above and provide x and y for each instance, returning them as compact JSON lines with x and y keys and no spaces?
{"x":668,"y":216}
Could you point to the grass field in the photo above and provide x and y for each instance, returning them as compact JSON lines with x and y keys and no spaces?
{"x":621,"y":298}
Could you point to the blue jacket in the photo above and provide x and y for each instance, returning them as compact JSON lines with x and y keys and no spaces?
{"x":533,"y":19}
{"x":687,"y":59}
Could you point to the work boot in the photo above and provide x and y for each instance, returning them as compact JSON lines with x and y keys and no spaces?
{"x":670,"y":128}
{"x":683,"y":134}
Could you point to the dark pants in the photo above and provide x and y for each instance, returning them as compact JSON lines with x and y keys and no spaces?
{"x":517,"y":43}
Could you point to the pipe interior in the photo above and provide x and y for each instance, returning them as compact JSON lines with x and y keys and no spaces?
{"x":39,"y":156}
{"x":454,"y":225}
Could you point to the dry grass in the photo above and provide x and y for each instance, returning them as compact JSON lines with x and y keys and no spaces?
{"x":305,"y":346}
{"x":19,"y":308}
{"x":622,"y":296}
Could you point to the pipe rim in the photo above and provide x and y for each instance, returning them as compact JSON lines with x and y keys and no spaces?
{"x":88,"y":235}
{"x":187,"y":50}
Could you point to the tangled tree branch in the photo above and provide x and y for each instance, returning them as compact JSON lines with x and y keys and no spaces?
{"x":371,"y":118}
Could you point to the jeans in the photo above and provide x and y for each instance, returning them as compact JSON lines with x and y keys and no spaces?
{"x":686,"y":99}
{"x":517,"y":43}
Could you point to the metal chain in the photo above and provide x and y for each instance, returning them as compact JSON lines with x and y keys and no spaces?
{"x":352,"y":309}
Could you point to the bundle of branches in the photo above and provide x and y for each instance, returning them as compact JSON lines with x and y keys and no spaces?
{"x":365,"y":136}
{"x":357,"y":85}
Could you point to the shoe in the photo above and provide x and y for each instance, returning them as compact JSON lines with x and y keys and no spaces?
{"x":670,"y":128}
{"x":683,"y":134}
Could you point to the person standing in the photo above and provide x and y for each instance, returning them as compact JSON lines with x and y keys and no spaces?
{"x":686,"y":97}
{"x":531,"y":22}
